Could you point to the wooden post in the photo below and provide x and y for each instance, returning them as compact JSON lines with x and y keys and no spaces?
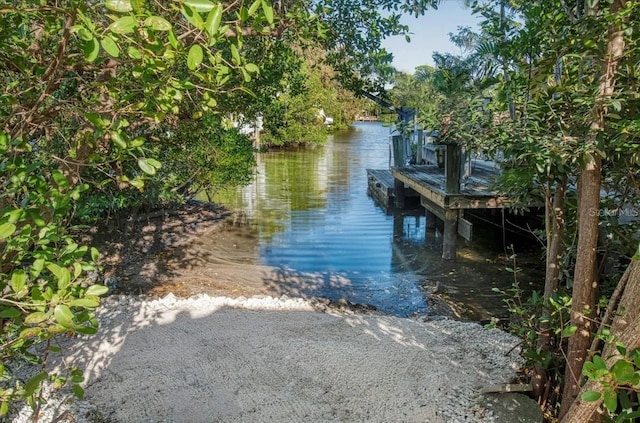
{"x":450,"y":234}
{"x":452,"y":169}
{"x":399,"y":153}
{"x":431,"y":220}
{"x":398,"y":226}
{"x":398,"y":190}
{"x":419,"y":158}
{"x":430,"y":227}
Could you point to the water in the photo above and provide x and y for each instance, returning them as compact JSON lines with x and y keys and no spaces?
{"x":312,"y":216}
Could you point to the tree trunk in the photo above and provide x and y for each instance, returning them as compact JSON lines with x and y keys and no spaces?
{"x":555,"y":212}
{"x":625,"y":329}
{"x":585,"y":282}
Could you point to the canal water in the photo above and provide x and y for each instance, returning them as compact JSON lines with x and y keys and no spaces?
{"x":311,"y":215}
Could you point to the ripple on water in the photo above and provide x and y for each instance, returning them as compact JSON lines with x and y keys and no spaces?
{"x":313,"y":216}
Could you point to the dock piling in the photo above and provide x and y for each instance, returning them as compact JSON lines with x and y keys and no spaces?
{"x":399,"y":192}
{"x":450,"y":234}
{"x":452,"y":165}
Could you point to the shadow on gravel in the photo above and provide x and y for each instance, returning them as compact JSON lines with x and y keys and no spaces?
{"x":264,"y":359}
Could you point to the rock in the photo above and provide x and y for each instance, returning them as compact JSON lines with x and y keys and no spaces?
{"x":512,"y":408}
{"x":508,"y":387}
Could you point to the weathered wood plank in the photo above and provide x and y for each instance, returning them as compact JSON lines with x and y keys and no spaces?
{"x":380,"y":185}
{"x":465,"y":228}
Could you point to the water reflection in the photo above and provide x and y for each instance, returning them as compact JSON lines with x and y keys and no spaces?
{"x":312,"y":217}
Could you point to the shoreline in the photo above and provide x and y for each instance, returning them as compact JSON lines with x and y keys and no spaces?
{"x":234,"y":349}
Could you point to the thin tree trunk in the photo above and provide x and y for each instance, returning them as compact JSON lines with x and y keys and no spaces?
{"x":554,"y":245}
{"x":625,"y":329}
{"x":585,"y":282}
{"x":555,"y":212}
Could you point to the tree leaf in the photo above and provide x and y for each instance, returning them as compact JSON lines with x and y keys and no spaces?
{"x":134,"y":53}
{"x":55,"y":269}
{"x":254,"y":6}
{"x":86,"y":330}
{"x":95,"y":254}
{"x":153,"y":162}
{"x":569,"y":331}
{"x":18,"y":280}
{"x":157,"y":23}
{"x":65,"y":278}
{"x":6,"y":230}
{"x":118,"y":140}
{"x":213,"y":21}
{"x":96,"y":290}
{"x":235,"y":54}
{"x":138,"y":183}
{"x":10,"y":313}
{"x":34,"y":383}
{"x":268,"y":11}
{"x":252,"y":67}
{"x":77,"y":391}
{"x":590,"y":396}
{"x":90,"y":49}
{"x":199,"y":5}
{"x":138,"y":5}
{"x":124,"y":25}
{"x":36,"y":267}
{"x":59,"y":179}
{"x":610,"y":400}
{"x":35,"y":318}
{"x":118,"y":5}
{"x":193,"y":17}
{"x":85,"y":302}
{"x":173,"y":40}
{"x":623,"y":371}
{"x":195,"y":56}
{"x":599,"y":362}
{"x":63,"y":315}
{"x":83,"y":33}
{"x":146,"y":167}
{"x":245,"y":75}
{"x":109,"y":45}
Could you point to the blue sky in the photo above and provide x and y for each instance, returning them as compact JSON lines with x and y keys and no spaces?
{"x":430,"y":33}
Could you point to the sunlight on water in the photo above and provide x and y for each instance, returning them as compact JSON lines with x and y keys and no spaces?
{"x":312,"y":214}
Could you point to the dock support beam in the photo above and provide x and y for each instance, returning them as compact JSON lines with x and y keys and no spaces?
{"x":398,"y":189}
{"x":450,"y":234}
{"x":452,"y":163}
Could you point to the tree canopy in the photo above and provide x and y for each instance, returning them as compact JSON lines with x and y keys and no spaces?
{"x":124,"y":104}
{"x":561,"y":79}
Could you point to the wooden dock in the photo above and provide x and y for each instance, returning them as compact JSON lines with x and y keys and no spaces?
{"x":380,"y":183}
{"x":380,"y":186}
{"x":445,"y":193}
{"x":475,"y":191}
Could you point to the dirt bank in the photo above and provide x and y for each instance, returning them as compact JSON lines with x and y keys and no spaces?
{"x":204,"y":249}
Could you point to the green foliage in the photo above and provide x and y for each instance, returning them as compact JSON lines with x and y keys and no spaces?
{"x":619,"y":383}
{"x":531,"y":317}
{"x":419,"y":92}
{"x":43,"y":270}
{"x":294,"y":118}
{"x":528,"y":315}
{"x":353,"y":42}
{"x":308,"y":94}
{"x":127,"y":105}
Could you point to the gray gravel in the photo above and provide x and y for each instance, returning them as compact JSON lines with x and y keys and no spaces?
{"x":263,"y":359}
